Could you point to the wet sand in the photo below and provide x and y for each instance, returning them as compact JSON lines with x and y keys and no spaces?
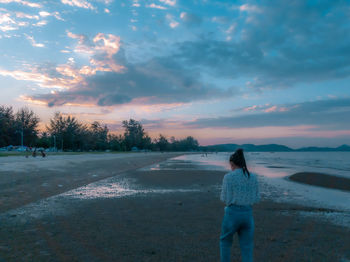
{"x":322,"y":180}
{"x":175,"y":226}
{"x":23,"y":181}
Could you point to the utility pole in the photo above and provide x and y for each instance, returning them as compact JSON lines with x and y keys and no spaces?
{"x":22,"y":136}
{"x":21,"y":132}
{"x":54,"y":142}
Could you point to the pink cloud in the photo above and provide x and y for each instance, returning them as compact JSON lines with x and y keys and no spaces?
{"x":22,"y":2}
{"x":153,"y":5}
{"x":271,"y":109}
{"x":78,"y":3}
{"x":169,"y":2}
{"x":249,"y":8}
{"x":254,"y":107}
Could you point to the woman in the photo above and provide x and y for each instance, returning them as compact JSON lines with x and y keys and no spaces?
{"x":239,"y":192}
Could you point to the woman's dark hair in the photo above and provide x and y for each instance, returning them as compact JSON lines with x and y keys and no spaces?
{"x":238,"y":159}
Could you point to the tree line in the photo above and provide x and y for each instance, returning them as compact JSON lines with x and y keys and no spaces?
{"x":67,"y":133}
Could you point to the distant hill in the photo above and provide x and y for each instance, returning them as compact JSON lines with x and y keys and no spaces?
{"x":270,"y":148}
{"x":324,"y":149}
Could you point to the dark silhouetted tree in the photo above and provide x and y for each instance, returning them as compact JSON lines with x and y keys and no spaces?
{"x":163,"y":143}
{"x":26,"y":125}
{"x":134,"y":135}
{"x":116,"y":142}
{"x":44,"y":140}
{"x":69,"y":133}
{"x":7,"y":126}
{"x":98,"y":139}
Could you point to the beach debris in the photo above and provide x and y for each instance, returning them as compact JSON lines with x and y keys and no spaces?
{"x":60,"y":185}
{"x":179,"y":203}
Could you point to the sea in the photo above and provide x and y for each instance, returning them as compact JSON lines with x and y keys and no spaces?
{"x":279,"y":164}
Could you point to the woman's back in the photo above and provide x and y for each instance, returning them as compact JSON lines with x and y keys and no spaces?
{"x":239,"y":189}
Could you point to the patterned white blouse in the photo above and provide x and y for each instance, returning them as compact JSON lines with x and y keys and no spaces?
{"x":238,"y":189}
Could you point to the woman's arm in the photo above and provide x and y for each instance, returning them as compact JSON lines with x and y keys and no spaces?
{"x":223,"y":195}
{"x":258,"y":196}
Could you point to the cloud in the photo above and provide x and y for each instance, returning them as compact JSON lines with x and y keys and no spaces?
{"x":55,"y":14}
{"x":279,"y":45}
{"x":157,"y":81}
{"x":79,"y":3}
{"x":26,"y":3}
{"x":111,"y":80}
{"x":168,"y":2}
{"x":249,"y":8}
{"x":26,"y":16}
{"x":33,"y":42}
{"x":153,"y":5}
{"x":101,"y":48}
{"x":136,"y":3}
{"x":322,"y":115}
{"x":172,"y":22}
{"x":220,"y":19}
{"x":9,"y":23}
{"x":44,"y":77}
{"x":40,"y":23}
{"x":190,"y":19}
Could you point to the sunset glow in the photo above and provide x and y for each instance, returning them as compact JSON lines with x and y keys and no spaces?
{"x":221,"y":71}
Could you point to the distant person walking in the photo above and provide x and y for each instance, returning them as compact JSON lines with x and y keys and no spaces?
{"x":43,"y":154}
{"x":34,"y":152}
{"x":240,"y":191}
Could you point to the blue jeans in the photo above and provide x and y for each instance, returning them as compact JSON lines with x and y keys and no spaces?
{"x":237,"y":219}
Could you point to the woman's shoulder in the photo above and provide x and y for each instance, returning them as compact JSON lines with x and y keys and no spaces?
{"x":228,"y":175}
{"x":231,"y":174}
{"x":253,"y":176}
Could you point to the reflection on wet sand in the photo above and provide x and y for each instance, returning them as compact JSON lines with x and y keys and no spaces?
{"x":113,"y":187}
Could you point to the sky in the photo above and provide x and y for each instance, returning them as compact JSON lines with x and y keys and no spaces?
{"x":257,"y":71}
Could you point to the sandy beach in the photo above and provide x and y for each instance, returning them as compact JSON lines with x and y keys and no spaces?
{"x":108,"y":209}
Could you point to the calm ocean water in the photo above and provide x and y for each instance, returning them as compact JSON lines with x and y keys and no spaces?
{"x":280,"y":164}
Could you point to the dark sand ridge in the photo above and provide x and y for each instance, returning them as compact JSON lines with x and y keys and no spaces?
{"x":176,"y":226}
{"x":322,"y":180}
